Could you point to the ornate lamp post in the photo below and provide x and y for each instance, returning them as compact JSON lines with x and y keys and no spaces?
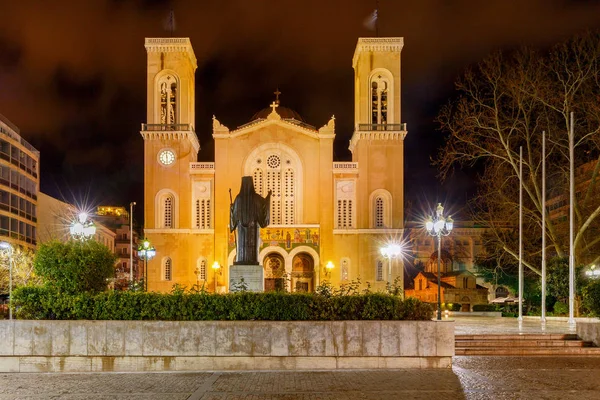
{"x":216,"y":267}
{"x":390,"y":252}
{"x":146,"y":252}
{"x":7,"y":246}
{"x":328,"y":268}
{"x":82,"y":228}
{"x":439,"y":226}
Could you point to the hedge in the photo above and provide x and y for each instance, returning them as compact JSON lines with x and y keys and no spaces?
{"x":485,"y":307}
{"x":47,"y":303}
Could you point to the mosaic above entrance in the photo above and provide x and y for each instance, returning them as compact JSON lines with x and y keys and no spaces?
{"x":286,"y":238}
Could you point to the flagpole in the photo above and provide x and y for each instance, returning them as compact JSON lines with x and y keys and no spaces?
{"x":543,"y":318}
{"x":571,"y":224}
{"x":376,"y":18}
{"x":520,"y":319}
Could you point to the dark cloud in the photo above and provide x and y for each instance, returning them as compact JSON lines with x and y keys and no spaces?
{"x":72,"y":73}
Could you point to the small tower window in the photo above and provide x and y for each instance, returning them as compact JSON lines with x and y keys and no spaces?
{"x":201,"y":269}
{"x":379,"y":271}
{"x":168,"y":211}
{"x":167,"y":269}
{"x":379,"y":222}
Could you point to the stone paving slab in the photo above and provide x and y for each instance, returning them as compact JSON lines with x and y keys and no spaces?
{"x":471,"y":378}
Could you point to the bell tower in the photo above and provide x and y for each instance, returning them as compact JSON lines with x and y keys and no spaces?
{"x":377,"y":146}
{"x":170,"y":142}
{"x":170,"y":146}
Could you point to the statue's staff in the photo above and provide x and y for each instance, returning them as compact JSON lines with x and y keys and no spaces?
{"x":230,"y":208}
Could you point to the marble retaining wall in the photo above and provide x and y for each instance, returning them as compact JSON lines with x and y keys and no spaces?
{"x":79,"y":346}
{"x":589,"y":331}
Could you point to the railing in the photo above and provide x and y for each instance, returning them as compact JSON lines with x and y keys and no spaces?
{"x":167,"y":127}
{"x":345,"y":166}
{"x":381,"y":127}
{"x":202,"y":166}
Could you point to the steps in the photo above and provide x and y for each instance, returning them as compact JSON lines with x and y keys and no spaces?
{"x":523,"y":345}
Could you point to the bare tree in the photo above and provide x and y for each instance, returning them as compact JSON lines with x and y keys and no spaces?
{"x":505,"y":102}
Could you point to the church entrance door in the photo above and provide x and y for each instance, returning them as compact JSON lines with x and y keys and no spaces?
{"x":303,"y":273}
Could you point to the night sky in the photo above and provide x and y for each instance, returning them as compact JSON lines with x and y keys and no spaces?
{"x":72,"y":74}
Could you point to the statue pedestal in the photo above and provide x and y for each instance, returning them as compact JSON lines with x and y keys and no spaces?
{"x":252,"y":274}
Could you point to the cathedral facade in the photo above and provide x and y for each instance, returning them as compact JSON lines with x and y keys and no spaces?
{"x":322,"y":211}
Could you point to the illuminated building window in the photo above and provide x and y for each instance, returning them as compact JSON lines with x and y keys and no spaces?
{"x":345,"y":269}
{"x":380,"y":209}
{"x":379,"y":101}
{"x":167,"y":86}
{"x":167,"y":269}
{"x":201,"y":269}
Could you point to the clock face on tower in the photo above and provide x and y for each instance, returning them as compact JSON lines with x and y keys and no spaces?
{"x":166,"y":157}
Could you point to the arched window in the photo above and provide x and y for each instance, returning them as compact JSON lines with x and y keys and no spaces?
{"x":345,"y":269}
{"x":381,"y":209}
{"x":166,"y":209}
{"x":167,"y":86}
{"x":379,"y":100}
{"x":379,"y":271}
{"x":167,"y":274}
{"x":201,"y":269}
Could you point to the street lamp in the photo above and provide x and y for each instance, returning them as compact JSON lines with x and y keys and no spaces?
{"x":438,"y":226}
{"x":131,"y":240}
{"x":593,"y":273}
{"x":391,"y":251}
{"x":146,"y":251}
{"x":82,"y":228}
{"x":328,"y":268}
{"x":7,"y":246}
{"x":216,"y":267}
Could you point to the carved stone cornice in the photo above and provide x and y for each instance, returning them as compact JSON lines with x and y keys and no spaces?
{"x":171,"y":45}
{"x":375,"y":135}
{"x":173,"y":135}
{"x":377,"y":44}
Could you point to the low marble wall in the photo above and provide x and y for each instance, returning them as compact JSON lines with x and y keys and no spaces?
{"x":35,"y":346}
{"x":589,"y":331}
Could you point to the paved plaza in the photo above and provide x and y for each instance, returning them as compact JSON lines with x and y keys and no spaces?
{"x":470,"y":378}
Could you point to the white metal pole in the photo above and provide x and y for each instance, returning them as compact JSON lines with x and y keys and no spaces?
{"x":10,"y":268}
{"x":571,"y":224}
{"x":520,"y":319}
{"x":543,"y":319}
{"x":131,"y":240}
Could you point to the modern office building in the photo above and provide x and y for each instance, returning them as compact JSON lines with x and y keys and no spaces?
{"x":19,"y":187}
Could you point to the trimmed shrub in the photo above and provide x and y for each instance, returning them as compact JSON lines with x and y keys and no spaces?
{"x":561,"y":308}
{"x":591,"y":298}
{"x":451,"y":306}
{"x":48,"y":303}
{"x":485,"y":307}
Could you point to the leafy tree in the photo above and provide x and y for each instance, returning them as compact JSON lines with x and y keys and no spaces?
{"x":75,"y":266}
{"x":557,"y":281}
{"x":507,"y":101}
{"x":22,"y":266}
